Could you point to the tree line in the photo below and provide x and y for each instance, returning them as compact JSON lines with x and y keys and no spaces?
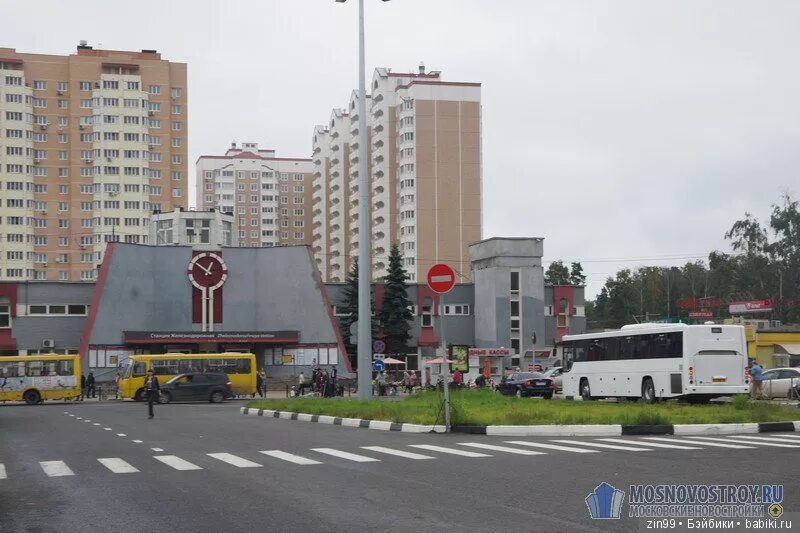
{"x":763,"y":264}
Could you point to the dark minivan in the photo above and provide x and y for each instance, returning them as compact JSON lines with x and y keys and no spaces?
{"x":211,"y":387}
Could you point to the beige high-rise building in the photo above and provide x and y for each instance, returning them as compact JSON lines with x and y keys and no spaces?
{"x":270,"y":197}
{"x":90,"y":145}
{"x":425,"y":172}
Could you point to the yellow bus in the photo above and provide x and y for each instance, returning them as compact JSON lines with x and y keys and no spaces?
{"x":34,"y":378}
{"x":240,"y":368}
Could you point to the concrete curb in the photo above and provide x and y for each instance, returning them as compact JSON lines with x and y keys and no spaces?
{"x":611,"y":430}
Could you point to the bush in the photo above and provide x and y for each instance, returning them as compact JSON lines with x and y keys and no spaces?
{"x":741,"y":402}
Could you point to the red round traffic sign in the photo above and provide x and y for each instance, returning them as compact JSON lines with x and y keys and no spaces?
{"x":441,"y":278}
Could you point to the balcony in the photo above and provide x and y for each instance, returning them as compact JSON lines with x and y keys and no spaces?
{"x":379,"y":128}
{"x":378,"y":143}
{"x":378,"y":190}
{"x":378,"y":205}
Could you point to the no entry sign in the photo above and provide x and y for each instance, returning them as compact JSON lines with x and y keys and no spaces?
{"x":441,"y":278}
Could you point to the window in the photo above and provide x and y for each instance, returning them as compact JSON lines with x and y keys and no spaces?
{"x":514,"y":281}
{"x":457,"y":309}
{"x":39,"y":85}
{"x":176,"y":142}
{"x":176,"y":92}
{"x":154,"y":89}
{"x":177,"y":193}
{"x":84,"y":85}
{"x":176,"y":126}
{"x":176,"y":110}
{"x":58,"y":309}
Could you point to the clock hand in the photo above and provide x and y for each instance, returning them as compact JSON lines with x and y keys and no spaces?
{"x":204,"y":269}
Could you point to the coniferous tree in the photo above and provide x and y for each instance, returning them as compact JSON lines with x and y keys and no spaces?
{"x":350,"y":307}
{"x":396,"y":314}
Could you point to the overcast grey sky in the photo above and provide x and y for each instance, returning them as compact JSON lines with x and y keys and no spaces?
{"x":614,"y":129}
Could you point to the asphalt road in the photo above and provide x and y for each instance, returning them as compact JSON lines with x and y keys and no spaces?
{"x":500,"y":491}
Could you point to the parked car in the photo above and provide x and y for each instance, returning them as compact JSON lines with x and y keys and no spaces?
{"x":555,"y":374}
{"x":522,"y":384}
{"x":211,"y":387}
{"x":777,"y":382}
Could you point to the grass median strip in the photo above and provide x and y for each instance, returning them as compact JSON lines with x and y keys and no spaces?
{"x":486,"y":408}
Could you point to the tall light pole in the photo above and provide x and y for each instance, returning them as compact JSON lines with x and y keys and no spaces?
{"x":364,"y":235}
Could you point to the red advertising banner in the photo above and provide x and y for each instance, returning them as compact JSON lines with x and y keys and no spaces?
{"x":750,"y":306}
{"x":697,"y":303}
{"x":701,"y":314}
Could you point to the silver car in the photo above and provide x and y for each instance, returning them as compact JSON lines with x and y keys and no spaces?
{"x":555,"y":373}
{"x":777,"y":382}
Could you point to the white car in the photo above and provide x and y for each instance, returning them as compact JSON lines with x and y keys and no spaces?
{"x":776,"y":382}
{"x":555,"y":374}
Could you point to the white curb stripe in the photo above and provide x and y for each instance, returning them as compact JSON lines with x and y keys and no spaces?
{"x":451,"y":451}
{"x":3,"y":474}
{"x":56,"y":468}
{"x":346,"y":455}
{"x":234,"y":460}
{"x":748,"y":442}
{"x":601,"y":445}
{"x":304,"y":417}
{"x":494,"y":447}
{"x":652,"y":444}
{"x":380,"y":424}
{"x":117,"y":465}
{"x":296,"y":459}
{"x":551,"y":446}
{"x":605,"y":430}
{"x":176,"y":462}
{"x":399,"y":453}
{"x":714,"y":429}
{"x":701,"y":443}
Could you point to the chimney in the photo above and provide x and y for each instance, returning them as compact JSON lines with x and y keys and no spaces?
{"x":233,"y":145}
{"x":421,"y":68}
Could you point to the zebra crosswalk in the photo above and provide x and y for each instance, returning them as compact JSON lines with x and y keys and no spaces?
{"x":450,"y":449}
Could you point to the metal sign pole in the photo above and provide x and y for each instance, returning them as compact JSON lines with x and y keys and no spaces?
{"x":444,"y":367}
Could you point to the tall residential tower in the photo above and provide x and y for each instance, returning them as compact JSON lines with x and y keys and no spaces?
{"x":424,"y":159}
{"x":90,"y":145}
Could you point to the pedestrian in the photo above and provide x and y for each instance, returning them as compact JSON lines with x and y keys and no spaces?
{"x":117,"y":379}
{"x":90,"y":388}
{"x":380,"y":380}
{"x":152,"y":389}
{"x":756,"y":376}
{"x":407,"y":382}
{"x":458,"y":378}
{"x":480,"y":381}
{"x":258,"y":385}
{"x":263,"y":389}
{"x":83,"y":385}
{"x":301,"y":384}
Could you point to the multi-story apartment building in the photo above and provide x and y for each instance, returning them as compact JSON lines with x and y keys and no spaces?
{"x":90,"y":145}
{"x":270,"y":197}
{"x":424,"y":159}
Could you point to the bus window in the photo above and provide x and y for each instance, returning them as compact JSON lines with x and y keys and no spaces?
{"x":597,"y":350}
{"x":627,"y":348}
{"x":643,"y":343}
{"x":569,"y":355}
{"x":165,"y":367}
{"x":243,"y":366}
{"x":138,"y":369}
{"x":581,"y":347}
{"x":33,"y":368}
{"x":65,"y":368}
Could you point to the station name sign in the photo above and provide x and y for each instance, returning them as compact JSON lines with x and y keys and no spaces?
{"x":210,"y":336}
{"x":482,"y":352}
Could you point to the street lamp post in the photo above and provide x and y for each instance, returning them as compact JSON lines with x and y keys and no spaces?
{"x":364,"y":236}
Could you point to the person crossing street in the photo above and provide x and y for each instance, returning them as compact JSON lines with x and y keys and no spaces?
{"x":152,"y":389}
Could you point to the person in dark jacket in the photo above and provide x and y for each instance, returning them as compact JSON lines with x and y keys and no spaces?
{"x":90,"y":390}
{"x":152,"y":389}
{"x":83,"y":385}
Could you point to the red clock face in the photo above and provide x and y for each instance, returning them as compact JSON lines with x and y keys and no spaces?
{"x":207,"y":271}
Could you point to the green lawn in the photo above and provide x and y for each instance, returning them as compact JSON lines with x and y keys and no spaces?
{"x":488,"y":408}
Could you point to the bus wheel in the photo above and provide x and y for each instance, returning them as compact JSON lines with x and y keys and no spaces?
{"x":648,"y":391}
{"x":586,"y":392}
{"x":140,"y":395}
{"x":31,"y":397}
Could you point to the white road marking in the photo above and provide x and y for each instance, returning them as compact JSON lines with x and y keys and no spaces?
{"x":652,"y":444}
{"x":496,"y":448}
{"x":117,"y":465}
{"x":66,"y":412}
{"x":296,"y":459}
{"x":3,"y":474}
{"x":78,"y":418}
{"x":56,"y":468}
{"x":346,"y":455}
{"x":399,"y":453}
{"x":87,"y":420}
{"x":452,"y":451}
{"x":788,"y":435}
{"x":137,"y":441}
{"x":754,"y":442}
{"x":96,"y":424}
{"x":234,"y":460}
{"x":601,"y":445}
{"x":121,"y":435}
{"x":157,"y":449}
{"x":551,"y":446}
{"x":71,"y":415}
{"x":107,"y":429}
{"x":176,"y":462}
{"x":769,"y":439}
{"x":699,"y":443}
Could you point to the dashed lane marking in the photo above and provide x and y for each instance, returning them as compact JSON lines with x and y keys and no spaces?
{"x":551,"y":446}
{"x":398,"y":453}
{"x":346,"y":455}
{"x":496,"y":448}
{"x":234,"y":460}
{"x":651,"y":444}
{"x":451,"y":451}
{"x":699,"y":443}
{"x":176,"y":462}
{"x":296,"y":459}
{"x":601,"y":445}
{"x":117,"y":465}
{"x":56,"y":468}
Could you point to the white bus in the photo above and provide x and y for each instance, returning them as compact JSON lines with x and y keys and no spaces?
{"x":657,"y":361}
